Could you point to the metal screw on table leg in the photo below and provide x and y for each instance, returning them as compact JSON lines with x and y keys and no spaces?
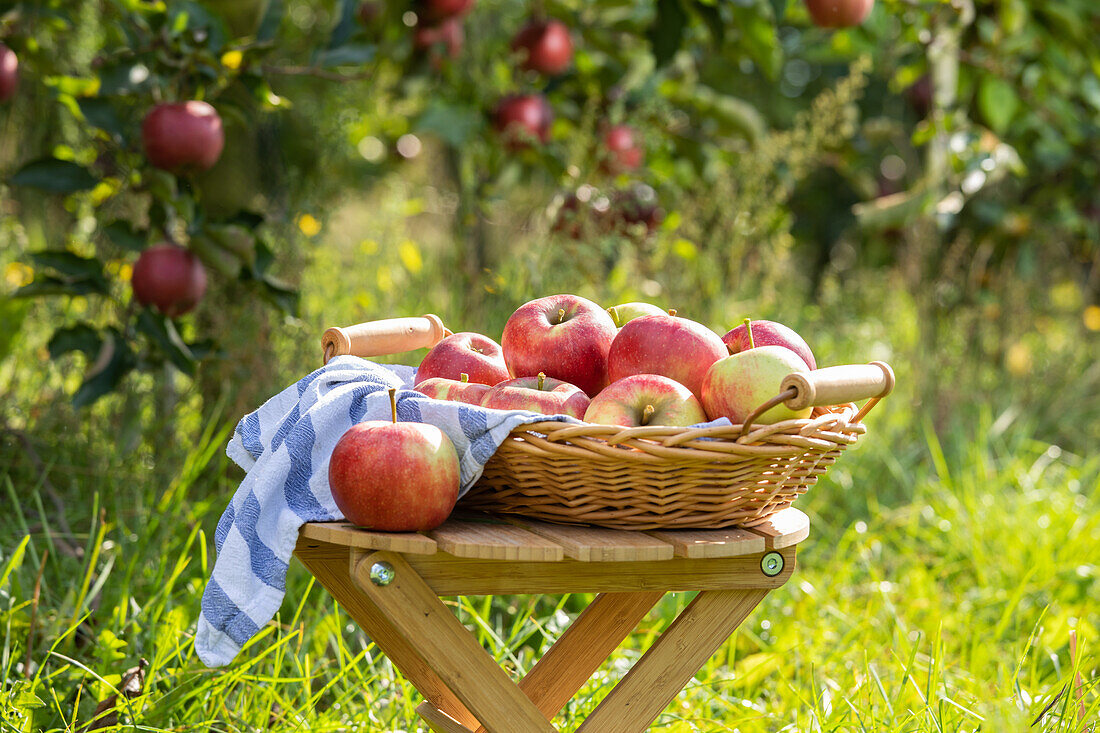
{"x":772,"y":564}
{"x":381,"y":573}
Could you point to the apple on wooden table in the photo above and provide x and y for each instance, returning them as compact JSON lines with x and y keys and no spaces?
{"x":625,"y":312}
{"x":478,"y":356}
{"x":545,"y":46}
{"x":455,"y":390}
{"x":566,"y":337}
{"x":645,"y":399}
{"x":677,"y":348}
{"x":739,"y":383}
{"x":9,"y":73}
{"x":183,"y":138}
{"x":768,"y":333}
{"x":394,"y":476}
{"x":540,"y":394}
{"x":169,"y":278}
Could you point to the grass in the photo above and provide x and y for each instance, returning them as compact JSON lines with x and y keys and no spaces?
{"x":938,"y":591}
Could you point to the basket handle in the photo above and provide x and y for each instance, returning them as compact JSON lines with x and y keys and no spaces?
{"x":831,"y":386}
{"x":389,"y":336}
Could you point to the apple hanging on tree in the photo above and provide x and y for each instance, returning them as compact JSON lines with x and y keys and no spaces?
{"x":186,"y":137}
{"x":839,"y":13}
{"x":449,"y":34}
{"x":435,"y":11}
{"x":545,"y":46}
{"x":394,"y":476}
{"x":623,"y":151}
{"x":168,"y":278}
{"x":9,"y":73}
{"x":523,"y":118}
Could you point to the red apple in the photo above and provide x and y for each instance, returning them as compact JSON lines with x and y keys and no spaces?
{"x":169,"y":278}
{"x":9,"y":73}
{"x":645,"y":399}
{"x":538,"y":394}
{"x":623,"y":314}
{"x":394,"y":476}
{"x":739,"y":383}
{"x":565,"y":336}
{"x":523,"y":118}
{"x":638,"y":205}
{"x":450,"y":34}
{"x":434,"y":11}
{"x":478,"y":356}
{"x":184,"y":137}
{"x":455,"y":390}
{"x":624,"y":153}
{"x":677,"y":348}
{"x":545,"y":46}
{"x":839,"y":13}
{"x":919,"y":94}
{"x":769,"y":333}
{"x":370,"y":12}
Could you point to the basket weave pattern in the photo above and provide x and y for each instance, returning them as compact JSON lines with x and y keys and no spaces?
{"x":661,"y":477}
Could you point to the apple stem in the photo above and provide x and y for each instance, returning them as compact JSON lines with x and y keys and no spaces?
{"x":542,"y":380}
{"x":464,"y":377}
{"x":672,"y":312}
{"x":393,"y":403}
{"x":561,"y":315}
{"x":748,"y":329}
{"x":647,"y":414}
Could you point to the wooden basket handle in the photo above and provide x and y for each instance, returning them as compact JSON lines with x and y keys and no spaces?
{"x":378,"y":338}
{"x":831,"y":386}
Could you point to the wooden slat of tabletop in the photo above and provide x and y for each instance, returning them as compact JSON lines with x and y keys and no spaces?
{"x":348,"y":535}
{"x":699,"y":543}
{"x":494,"y":541}
{"x":593,"y":544}
{"x":783,"y":529}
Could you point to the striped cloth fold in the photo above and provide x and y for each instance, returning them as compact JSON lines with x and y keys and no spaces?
{"x":284,"y":447}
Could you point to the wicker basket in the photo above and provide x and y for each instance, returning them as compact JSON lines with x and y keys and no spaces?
{"x":655,"y":477}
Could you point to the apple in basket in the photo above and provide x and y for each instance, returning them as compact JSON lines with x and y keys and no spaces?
{"x":478,"y":356}
{"x":538,"y":394}
{"x":566,"y":337}
{"x":629,"y":311}
{"x":677,"y":348}
{"x":456,"y":390}
{"x":768,"y":333}
{"x":739,"y":383}
{"x":645,"y":399}
{"x":394,"y":476}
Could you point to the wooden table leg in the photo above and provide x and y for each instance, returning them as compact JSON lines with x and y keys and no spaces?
{"x":583,"y":647}
{"x":672,"y":661}
{"x":414,"y":610}
{"x":331,"y":565}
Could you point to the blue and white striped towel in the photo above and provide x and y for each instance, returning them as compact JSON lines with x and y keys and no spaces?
{"x":284,"y":447}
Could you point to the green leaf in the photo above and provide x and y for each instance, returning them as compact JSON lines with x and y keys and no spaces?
{"x":81,"y":337}
{"x":346,"y":25}
{"x":998,"y":102}
{"x":123,"y":234}
{"x":68,"y":263}
{"x":350,"y":54}
{"x":454,"y":124}
{"x":779,"y":9}
{"x":12,"y":314}
{"x":163,"y":332}
{"x":272,"y":19}
{"x":100,"y":113}
{"x":54,"y":176}
{"x":282,"y":295}
{"x":667,"y":32}
{"x":113,"y":361}
{"x":44,"y":284}
{"x":712,"y":16}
